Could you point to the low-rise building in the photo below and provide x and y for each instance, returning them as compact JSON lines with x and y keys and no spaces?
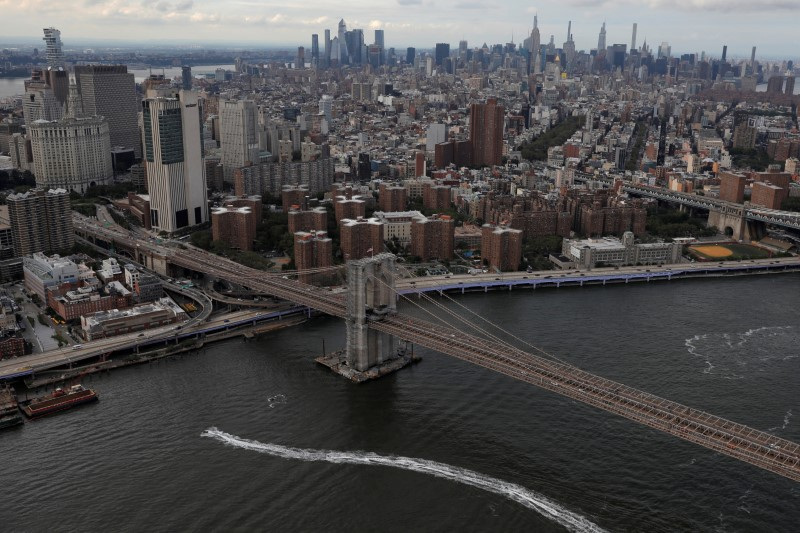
{"x":73,"y":303}
{"x":145,"y":286}
{"x":397,"y":225}
{"x":113,"y":322}
{"x":610,"y":251}
{"x":42,"y":273}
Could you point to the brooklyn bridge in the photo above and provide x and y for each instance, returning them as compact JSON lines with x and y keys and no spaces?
{"x":374,"y":326}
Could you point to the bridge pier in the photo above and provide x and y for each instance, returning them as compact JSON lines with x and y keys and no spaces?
{"x":733,"y":222}
{"x":371,"y":296}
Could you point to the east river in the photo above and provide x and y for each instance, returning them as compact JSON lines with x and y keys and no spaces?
{"x":246,"y":436}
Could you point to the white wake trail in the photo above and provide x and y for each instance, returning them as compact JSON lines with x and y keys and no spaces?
{"x":517,"y":493}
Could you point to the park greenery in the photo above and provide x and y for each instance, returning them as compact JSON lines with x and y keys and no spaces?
{"x":556,"y":136}
{"x":757,"y":159}
{"x":537,"y":250}
{"x":668,"y":224}
{"x":792,"y":203}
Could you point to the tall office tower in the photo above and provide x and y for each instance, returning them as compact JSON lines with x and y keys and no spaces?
{"x":110,"y":91}
{"x":355,"y":46}
{"x":73,"y":153}
{"x":462,"y":49}
{"x":789,"y":87}
{"x":411,"y":53}
{"x":665,"y":50}
{"x":442,"y":51}
{"x":238,"y":135}
{"x":633,"y":38}
{"x":41,"y":221}
{"x":327,"y":48}
{"x":486,"y":132}
{"x":186,"y":78}
{"x":53,"y":51}
{"x":753,"y":59}
{"x":300,"y":62}
{"x":176,"y":180}
{"x":314,"y":50}
{"x":379,"y":38}
{"x":724,"y":52}
{"x":601,"y":40}
{"x":569,"y":47}
{"x":342,"y":52}
{"x":40,"y":103}
{"x":775,"y":85}
{"x":617,"y":56}
{"x":536,"y":41}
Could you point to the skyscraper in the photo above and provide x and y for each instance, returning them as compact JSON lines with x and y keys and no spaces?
{"x":73,"y":153}
{"x":53,"y":51}
{"x":314,"y":50}
{"x":633,"y":38}
{"x":411,"y":53}
{"x":41,"y":221}
{"x":238,"y":134}
{"x":186,"y":77}
{"x":327,"y":61}
{"x":601,"y":40}
{"x":486,"y":132}
{"x":536,"y":41}
{"x":342,"y":54}
{"x":379,"y":38}
{"x":724,"y":53}
{"x":789,"y":87}
{"x":173,"y":158}
{"x":110,"y":91}
{"x":442,"y":51}
{"x":300,"y":62}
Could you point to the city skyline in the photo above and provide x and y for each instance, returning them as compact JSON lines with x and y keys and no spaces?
{"x":696,"y":26}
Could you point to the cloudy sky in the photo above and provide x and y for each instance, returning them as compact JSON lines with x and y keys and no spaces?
{"x":688,"y":25}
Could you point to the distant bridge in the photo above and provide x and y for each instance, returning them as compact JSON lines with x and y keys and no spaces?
{"x":787,"y":219}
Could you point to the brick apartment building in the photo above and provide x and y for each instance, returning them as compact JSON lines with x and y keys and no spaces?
{"x":432,"y":237}
{"x":360,"y":237}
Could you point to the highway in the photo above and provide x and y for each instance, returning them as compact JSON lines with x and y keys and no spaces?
{"x":30,"y":364}
{"x":601,"y":276}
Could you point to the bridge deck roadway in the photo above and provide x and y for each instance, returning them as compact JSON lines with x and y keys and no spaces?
{"x":724,"y":436}
{"x":730,"y":438}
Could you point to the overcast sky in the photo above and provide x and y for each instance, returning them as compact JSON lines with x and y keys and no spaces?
{"x":688,"y":25}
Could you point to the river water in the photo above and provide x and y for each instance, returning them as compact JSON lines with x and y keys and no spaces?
{"x":245,"y":436}
{"x":16,"y":86}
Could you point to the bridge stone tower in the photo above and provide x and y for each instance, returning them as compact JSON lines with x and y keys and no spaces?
{"x":370,"y":296}
{"x":732,"y":221}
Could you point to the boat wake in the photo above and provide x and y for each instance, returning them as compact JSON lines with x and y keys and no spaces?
{"x":527,"y":498}
{"x":276,"y":400}
{"x":731,"y":356}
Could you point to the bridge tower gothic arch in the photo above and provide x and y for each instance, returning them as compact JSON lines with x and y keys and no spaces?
{"x":732,"y":221}
{"x":370,"y":296}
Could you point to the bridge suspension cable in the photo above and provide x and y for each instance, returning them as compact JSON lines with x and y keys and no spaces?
{"x":471,"y":325}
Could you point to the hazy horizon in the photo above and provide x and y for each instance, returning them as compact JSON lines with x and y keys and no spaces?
{"x":689,"y":26}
